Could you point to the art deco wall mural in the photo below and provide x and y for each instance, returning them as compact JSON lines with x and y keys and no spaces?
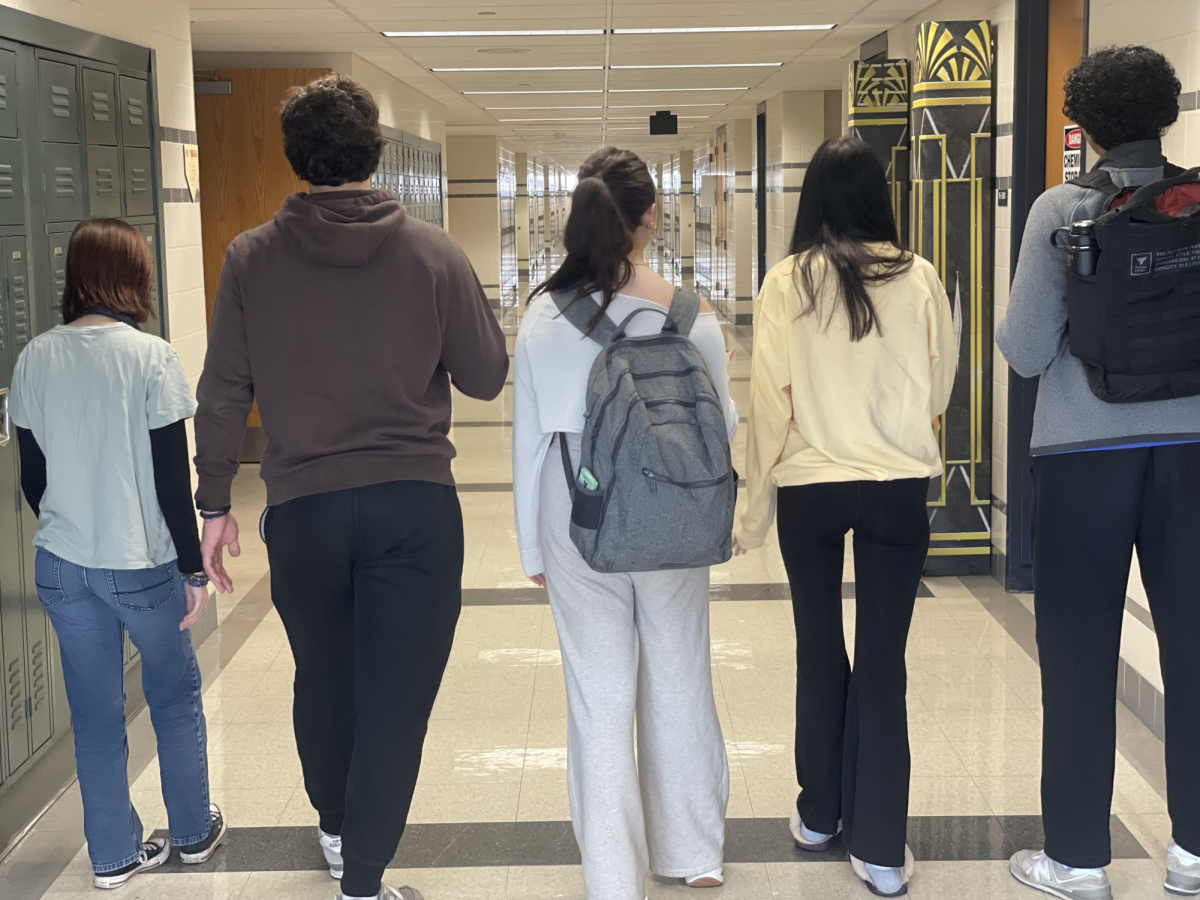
{"x":879,"y":110}
{"x":952,"y":227}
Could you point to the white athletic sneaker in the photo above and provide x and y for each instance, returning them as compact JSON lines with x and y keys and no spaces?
{"x":715,"y":878}
{"x":812,"y":841}
{"x":331,"y":846}
{"x":1040,"y":872}
{"x":152,"y":855}
{"x":885,"y":881}
{"x":1183,"y":871}
{"x":390,"y":893}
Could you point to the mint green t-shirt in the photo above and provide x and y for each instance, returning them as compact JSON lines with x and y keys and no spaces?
{"x":91,"y":396}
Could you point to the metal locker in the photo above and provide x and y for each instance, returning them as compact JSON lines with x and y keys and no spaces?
{"x":99,"y":107}
{"x":139,"y":199}
{"x":8,"y":94}
{"x":135,"y":113}
{"x":16,"y":268}
{"x":51,"y":306}
{"x":59,"y":101}
{"x":12,"y":182}
{"x":155,"y":325}
{"x":104,"y":181}
{"x":37,"y":630}
{"x":62,"y":166}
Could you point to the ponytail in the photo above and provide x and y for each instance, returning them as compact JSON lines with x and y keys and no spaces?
{"x":614,"y":192}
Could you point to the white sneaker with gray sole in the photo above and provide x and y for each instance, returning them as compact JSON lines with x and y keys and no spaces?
{"x":151,"y":855}
{"x":392,"y":893}
{"x":331,"y":846}
{"x":1040,"y":872}
{"x":1183,"y":871}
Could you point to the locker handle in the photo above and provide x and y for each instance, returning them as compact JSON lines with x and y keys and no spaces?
{"x":6,"y":433}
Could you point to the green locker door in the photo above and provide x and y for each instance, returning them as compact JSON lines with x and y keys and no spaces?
{"x":12,"y":182}
{"x":139,"y":201}
{"x":8,"y":94}
{"x":154,"y":326}
{"x":12,"y":600}
{"x":59,"y":101}
{"x":50,"y":307}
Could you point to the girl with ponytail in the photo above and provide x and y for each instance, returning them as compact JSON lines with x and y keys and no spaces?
{"x":634,"y":645}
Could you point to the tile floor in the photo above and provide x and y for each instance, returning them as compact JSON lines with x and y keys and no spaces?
{"x":496,"y":751}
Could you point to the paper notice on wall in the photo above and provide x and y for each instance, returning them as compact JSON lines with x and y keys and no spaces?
{"x":1072,"y":152}
{"x":191,"y":169}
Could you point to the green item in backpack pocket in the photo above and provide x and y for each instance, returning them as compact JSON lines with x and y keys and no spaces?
{"x":587,"y":479}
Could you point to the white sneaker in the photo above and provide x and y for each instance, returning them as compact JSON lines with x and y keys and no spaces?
{"x":331,"y":846}
{"x":715,"y":878}
{"x":885,"y":881}
{"x":1183,"y":871}
{"x":1040,"y":872}
{"x":390,"y":893}
{"x":812,"y":841}
{"x":151,"y":855}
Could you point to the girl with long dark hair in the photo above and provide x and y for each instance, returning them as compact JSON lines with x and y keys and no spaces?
{"x":634,"y":645}
{"x":854,"y":357}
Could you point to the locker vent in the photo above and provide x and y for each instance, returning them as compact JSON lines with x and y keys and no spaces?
{"x":3,"y":92}
{"x":64,"y":181}
{"x":136,"y":111}
{"x":104,"y":180}
{"x":16,"y":695}
{"x":37,"y":658}
{"x":100,"y":106}
{"x":138,"y":181}
{"x":20,"y":302}
{"x":60,"y":99}
{"x":7,"y":186}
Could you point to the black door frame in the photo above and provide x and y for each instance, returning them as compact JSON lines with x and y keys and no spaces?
{"x":760,"y":192}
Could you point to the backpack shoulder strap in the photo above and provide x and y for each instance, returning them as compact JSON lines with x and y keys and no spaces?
{"x":578,"y":308}
{"x":1171,"y":170}
{"x":1098,"y":180}
{"x":685,"y":306}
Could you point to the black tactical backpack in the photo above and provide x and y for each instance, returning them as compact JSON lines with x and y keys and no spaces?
{"x":1134,"y":289}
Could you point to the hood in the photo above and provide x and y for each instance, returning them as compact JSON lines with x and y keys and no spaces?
{"x":340,"y":228}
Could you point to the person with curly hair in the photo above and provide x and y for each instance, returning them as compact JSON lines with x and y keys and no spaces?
{"x":1107,"y":478}
{"x":347,"y":320}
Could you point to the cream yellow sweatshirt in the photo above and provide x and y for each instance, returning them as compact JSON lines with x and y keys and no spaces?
{"x":826,"y":408}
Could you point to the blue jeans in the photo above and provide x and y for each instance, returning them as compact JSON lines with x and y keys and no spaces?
{"x":87,"y":608}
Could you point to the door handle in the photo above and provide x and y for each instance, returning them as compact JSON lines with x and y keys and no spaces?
{"x":6,"y":433}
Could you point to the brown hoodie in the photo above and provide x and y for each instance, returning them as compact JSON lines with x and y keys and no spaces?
{"x":347,"y":320}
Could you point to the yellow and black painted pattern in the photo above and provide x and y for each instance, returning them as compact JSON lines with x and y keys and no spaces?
{"x":953,"y":226}
{"x":879,"y":110}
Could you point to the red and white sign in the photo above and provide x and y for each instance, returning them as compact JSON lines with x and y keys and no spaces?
{"x":1072,"y":152}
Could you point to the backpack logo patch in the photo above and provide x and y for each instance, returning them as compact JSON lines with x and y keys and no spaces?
{"x":1141,"y":263}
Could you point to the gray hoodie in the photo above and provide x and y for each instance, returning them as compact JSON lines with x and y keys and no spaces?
{"x":1033,"y":335}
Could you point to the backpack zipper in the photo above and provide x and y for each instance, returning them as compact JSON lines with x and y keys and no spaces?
{"x":690,"y":404}
{"x":667,"y":373}
{"x":656,"y":477}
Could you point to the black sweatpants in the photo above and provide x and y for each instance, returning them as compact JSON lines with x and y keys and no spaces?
{"x":852,"y":725}
{"x":1091,"y":510}
{"x":368,"y":584}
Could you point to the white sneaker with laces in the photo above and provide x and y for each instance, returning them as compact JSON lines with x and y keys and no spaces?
{"x":387,"y":892}
{"x":1183,"y":871}
{"x":885,"y":881}
{"x":1040,"y":872}
{"x":331,"y":846}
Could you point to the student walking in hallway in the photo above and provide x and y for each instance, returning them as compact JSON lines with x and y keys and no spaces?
{"x":100,"y":408}
{"x":854,"y":357}
{"x":1110,"y":477}
{"x":635,"y":646}
{"x":347,"y":320}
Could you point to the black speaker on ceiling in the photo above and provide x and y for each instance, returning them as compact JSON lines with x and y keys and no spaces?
{"x":662,"y":122}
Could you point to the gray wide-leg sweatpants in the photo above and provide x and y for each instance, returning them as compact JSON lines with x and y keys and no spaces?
{"x":634,"y":645}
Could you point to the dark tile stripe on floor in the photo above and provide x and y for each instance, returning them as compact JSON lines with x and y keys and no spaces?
{"x":932,"y":838}
{"x":535,"y":596}
{"x":500,"y":487}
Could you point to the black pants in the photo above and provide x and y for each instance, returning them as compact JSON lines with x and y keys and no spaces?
{"x":852,"y":726}
{"x":368,"y":584}
{"x":1091,"y":510}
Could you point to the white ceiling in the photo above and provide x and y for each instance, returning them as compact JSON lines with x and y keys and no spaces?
{"x":813,"y":60}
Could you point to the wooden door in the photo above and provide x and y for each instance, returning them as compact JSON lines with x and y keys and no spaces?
{"x":244,"y":176}
{"x":1066,"y":37}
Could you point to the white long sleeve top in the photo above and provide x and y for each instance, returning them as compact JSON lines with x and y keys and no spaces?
{"x":553,"y":360}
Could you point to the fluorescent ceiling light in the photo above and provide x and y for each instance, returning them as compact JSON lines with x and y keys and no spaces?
{"x":528,"y":69}
{"x":592,"y":119}
{"x":705,"y":66}
{"x":535,"y":108}
{"x":655,"y":106}
{"x":553,"y":32}
{"x":481,"y":93}
{"x":671,"y":90}
{"x":642,"y":118}
{"x":727,"y":29}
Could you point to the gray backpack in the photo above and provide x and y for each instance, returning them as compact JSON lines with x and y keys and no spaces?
{"x":656,"y":487}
